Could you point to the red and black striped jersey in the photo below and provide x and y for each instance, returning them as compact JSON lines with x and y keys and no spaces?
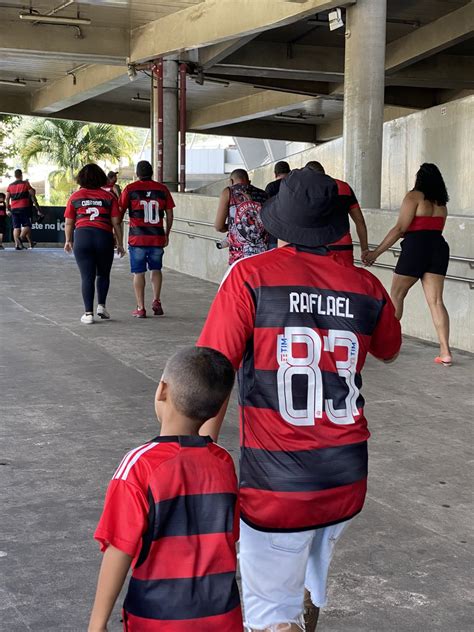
{"x":299,"y":326}
{"x":92,"y":208}
{"x":20,"y":198}
{"x":146,"y":202}
{"x":172,"y":506}
{"x":3,"y":209}
{"x":347,"y":201}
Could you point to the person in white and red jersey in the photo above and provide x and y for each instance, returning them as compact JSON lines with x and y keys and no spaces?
{"x":92,"y":216}
{"x":112,"y":185}
{"x":298,"y":323}
{"x":20,"y":198}
{"x":350,"y":204}
{"x":148,"y":203}
{"x":171,"y":513}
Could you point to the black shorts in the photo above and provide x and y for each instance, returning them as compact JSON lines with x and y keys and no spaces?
{"x":423,"y":251}
{"x":21,"y":219}
{"x":3,"y":224}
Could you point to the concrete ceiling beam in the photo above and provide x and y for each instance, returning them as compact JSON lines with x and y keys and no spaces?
{"x":211,"y":55}
{"x":86,"y":84}
{"x":258,"y":105}
{"x":208,"y":23}
{"x":309,"y":88}
{"x":432,"y":38}
{"x":453,"y":72}
{"x":97,"y":45}
{"x":270,"y":59}
{"x":267,"y":130}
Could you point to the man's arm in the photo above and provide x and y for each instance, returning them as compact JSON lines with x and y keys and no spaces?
{"x":113,"y":571}
{"x":7,"y":202}
{"x":169,"y":216}
{"x":34,"y":200}
{"x":117,"y":226}
{"x":361,"y":227}
{"x":228,"y":327}
{"x":221,"y":221}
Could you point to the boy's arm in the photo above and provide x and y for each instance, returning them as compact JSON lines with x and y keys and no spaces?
{"x":113,"y":571}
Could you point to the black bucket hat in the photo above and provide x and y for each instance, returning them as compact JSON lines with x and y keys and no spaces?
{"x":306,"y":211}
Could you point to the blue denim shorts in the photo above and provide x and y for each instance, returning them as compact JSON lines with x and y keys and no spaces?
{"x":142,"y":257}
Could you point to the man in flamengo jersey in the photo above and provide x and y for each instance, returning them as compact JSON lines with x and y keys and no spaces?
{"x":147,"y":202}
{"x":171,"y":512}
{"x":350,"y":204}
{"x":20,"y":198}
{"x":298,"y":323}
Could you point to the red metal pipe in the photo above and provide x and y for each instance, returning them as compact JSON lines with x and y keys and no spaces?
{"x":182,"y":127}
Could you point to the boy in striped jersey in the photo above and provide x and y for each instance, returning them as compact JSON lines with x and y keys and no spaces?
{"x":171,"y":513}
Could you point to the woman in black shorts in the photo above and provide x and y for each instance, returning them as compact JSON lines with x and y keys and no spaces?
{"x":93,"y":215}
{"x":425,"y":252}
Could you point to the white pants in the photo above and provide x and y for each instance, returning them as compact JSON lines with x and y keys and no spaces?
{"x":277,"y":567}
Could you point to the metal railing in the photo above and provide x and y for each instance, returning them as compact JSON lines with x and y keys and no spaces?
{"x":191,"y":222}
{"x":396,"y":251}
{"x":194,"y":235}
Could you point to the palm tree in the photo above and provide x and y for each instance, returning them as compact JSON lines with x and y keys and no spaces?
{"x":71,"y":144}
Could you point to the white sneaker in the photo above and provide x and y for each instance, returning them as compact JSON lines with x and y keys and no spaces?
{"x":102,"y":312}
{"x":87,"y":319}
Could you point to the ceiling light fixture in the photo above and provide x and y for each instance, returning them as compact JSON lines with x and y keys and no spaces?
{"x":54,"y":19}
{"x":139,"y":98}
{"x":12,"y":82}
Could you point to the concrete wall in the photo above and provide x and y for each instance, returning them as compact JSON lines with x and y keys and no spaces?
{"x":443,"y":135}
{"x":199,"y":257}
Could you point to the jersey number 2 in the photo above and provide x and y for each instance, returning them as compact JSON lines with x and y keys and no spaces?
{"x":307,"y":364}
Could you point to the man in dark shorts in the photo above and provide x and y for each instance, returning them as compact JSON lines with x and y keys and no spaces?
{"x":20,"y":198}
{"x":3,"y":217}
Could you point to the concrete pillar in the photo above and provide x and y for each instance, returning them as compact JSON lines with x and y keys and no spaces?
{"x":170,"y":124}
{"x":364,"y":79}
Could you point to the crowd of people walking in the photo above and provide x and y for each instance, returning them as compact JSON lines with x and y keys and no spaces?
{"x":296,"y":319}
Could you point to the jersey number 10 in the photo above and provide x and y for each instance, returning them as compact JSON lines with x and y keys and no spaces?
{"x":151,"y":211}
{"x":308,"y":364}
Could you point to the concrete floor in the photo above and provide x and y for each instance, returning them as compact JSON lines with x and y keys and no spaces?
{"x":75,"y":398}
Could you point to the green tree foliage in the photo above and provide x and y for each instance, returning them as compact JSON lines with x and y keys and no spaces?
{"x":8,"y":124}
{"x":70,"y":145}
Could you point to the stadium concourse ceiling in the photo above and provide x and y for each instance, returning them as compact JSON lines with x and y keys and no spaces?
{"x":259,"y":68}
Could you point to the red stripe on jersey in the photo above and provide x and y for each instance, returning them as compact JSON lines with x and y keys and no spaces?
{"x":312,"y":509}
{"x":269,"y":431}
{"x":229,"y":622}
{"x":20,"y":199}
{"x":197,"y":554}
{"x":92,"y":208}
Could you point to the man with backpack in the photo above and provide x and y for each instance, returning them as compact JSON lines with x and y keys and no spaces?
{"x":238,"y":215}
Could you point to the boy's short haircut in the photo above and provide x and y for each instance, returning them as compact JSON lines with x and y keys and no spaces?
{"x":200,"y":380}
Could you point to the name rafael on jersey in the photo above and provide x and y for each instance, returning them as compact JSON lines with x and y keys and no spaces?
{"x":303,"y":302}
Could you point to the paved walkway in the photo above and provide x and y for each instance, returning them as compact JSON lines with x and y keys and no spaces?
{"x":75,"y":398}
